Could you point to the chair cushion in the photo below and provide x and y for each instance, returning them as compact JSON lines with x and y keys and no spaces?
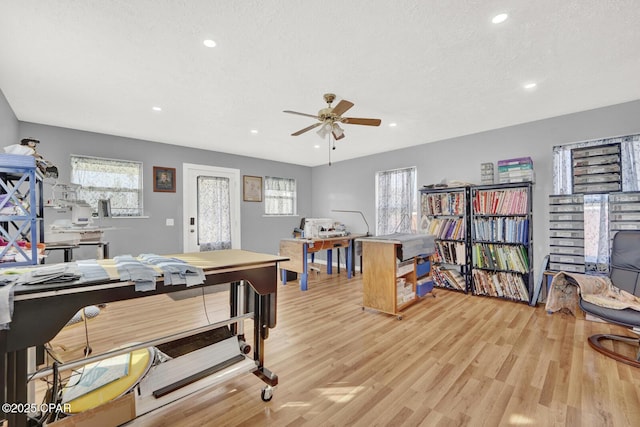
{"x":627,"y":317}
{"x":625,"y":261}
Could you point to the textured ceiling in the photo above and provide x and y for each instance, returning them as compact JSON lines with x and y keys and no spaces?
{"x":438,"y":69}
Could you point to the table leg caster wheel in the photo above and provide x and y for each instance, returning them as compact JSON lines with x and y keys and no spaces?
{"x":267,"y":393}
{"x":245,"y":348}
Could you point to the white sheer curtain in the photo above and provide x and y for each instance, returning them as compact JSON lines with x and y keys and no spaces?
{"x":630,"y":153}
{"x":396,"y":201}
{"x":214,"y":213}
{"x":596,"y":206}
{"x":279,"y":196}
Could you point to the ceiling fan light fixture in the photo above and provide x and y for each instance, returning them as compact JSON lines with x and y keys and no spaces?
{"x":324,"y":131}
{"x":338,"y":132}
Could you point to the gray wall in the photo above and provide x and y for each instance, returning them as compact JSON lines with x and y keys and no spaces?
{"x":8,"y":123}
{"x":151,"y":235}
{"x":344,"y":185}
{"x":350,"y":184}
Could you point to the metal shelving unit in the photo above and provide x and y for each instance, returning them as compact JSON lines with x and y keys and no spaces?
{"x":21,"y":210}
{"x":501,"y":241}
{"x":444,"y":213}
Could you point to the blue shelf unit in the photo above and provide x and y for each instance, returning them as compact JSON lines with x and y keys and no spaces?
{"x":21,"y":210}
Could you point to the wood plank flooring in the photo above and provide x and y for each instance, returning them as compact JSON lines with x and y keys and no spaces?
{"x":453,"y":360}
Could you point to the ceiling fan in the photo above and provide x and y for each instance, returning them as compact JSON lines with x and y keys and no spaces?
{"x":330,"y":118}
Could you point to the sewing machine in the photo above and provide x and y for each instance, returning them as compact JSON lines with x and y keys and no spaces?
{"x":322,"y":228}
{"x":67,"y":234}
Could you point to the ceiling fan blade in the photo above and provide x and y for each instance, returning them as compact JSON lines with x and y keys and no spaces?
{"x":342,"y":107}
{"x":308,"y":128}
{"x":358,"y":121}
{"x":300,"y":114}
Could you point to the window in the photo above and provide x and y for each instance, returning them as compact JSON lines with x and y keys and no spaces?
{"x":120,"y":181}
{"x":396,"y":201}
{"x":596,"y":218}
{"x":280,"y":196}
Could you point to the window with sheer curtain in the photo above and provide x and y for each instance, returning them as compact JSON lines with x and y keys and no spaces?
{"x":396,"y":201}
{"x":119,"y":181}
{"x":280,"y":196}
{"x":596,"y":206}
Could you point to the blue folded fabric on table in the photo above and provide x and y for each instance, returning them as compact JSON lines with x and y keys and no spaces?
{"x":91,"y":271}
{"x":143,"y":276}
{"x":176,"y":271}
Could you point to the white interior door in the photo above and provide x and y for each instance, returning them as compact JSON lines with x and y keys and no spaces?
{"x":211,"y":209}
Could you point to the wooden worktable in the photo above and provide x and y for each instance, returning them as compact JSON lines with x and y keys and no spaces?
{"x":298,"y":249}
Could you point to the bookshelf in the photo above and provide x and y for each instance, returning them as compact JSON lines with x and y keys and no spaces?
{"x":444,"y":213}
{"x":501,"y":241}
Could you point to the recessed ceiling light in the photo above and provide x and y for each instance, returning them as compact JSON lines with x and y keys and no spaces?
{"x":530,"y":85}
{"x":156,"y":108}
{"x":209,"y":43}
{"x":253,"y":131}
{"x":392,"y":125}
{"x":499,"y":18}
{"x":316,"y":146}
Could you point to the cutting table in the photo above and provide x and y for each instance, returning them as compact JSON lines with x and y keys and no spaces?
{"x":41,"y":311}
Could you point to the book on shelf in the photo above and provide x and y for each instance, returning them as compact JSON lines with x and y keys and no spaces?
{"x":445,"y":228}
{"x":500,"y":284}
{"x":450,"y":203}
{"x":501,"y":202}
{"x":448,"y":278}
{"x":500,"y":257}
{"x":450,"y":252}
{"x":501,"y":229}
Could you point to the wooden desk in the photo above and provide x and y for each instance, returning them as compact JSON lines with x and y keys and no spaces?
{"x":298,"y":250}
{"x":41,"y":311}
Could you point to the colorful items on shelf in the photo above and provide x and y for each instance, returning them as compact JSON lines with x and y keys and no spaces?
{"x":516,"y":170}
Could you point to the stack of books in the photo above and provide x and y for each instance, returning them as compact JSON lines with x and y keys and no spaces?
{"x":515,"y":170}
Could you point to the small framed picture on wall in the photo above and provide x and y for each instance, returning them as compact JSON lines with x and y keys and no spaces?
{"x":252,"y":188}
{"x":164,"y":179}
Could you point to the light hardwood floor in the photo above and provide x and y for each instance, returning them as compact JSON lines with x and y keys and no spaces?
{"x":453,"y":360}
